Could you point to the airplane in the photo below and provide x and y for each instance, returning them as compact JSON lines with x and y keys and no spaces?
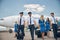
{"x":10,"y":20}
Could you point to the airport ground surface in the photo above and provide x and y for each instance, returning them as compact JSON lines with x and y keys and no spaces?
{"x":10,"y":36}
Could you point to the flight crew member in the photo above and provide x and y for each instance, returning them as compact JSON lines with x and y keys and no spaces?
{"x":21,"y":23}
{"x":54,"y":24}
{"x":47,"y":23}
{"x":31,"y":22}
{"x":15,"y":28}
{"x":42,"y":26}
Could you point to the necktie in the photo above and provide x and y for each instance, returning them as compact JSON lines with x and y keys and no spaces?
{"x":20,"y":21}
{"x":54,"y":20}
{"x":30,"y":20}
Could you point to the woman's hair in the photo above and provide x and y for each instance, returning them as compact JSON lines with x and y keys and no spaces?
{"x":15,"y":21}
{"x":42,"y":17}
{"x":48,"y":19}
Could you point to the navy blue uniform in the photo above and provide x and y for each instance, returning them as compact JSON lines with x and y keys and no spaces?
{"x":42,"y":25}
{"x":47,"y":26}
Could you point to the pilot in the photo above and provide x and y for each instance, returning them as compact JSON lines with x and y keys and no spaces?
{"x":21,"y":23}
{"x":31,"y":22}
{"x":54,"y":24}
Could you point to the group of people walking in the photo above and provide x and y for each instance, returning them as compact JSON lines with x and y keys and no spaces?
{"x":43,"y":25}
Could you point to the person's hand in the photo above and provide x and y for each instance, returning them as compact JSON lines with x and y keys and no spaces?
{"x":38,"y":26}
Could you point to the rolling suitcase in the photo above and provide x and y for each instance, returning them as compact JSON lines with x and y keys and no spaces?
{"x":19,"y":35}
{"x":58,"y":34}
{"x":38,"y":33}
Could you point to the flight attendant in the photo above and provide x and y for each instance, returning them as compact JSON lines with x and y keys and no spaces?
{"x":15,"y":28}
{"x":31,"y":22}
{"x":21,"y":23}
{"x":48,"y":26}
{"x":54,"y":24}
{"x":42,"y":25}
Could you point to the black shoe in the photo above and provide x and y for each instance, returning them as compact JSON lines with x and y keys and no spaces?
{"x":32,"y":39}
{"x":21,"y":39}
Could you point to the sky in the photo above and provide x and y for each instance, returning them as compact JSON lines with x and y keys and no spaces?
{"x":41,"y":7}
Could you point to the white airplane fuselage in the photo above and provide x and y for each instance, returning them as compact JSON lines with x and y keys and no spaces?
{"x":9,"y":21}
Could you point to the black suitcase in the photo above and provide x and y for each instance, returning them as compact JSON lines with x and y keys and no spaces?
{"x":58,"y":34}
{"x":20,"y":35}
{"x":38,"y":33}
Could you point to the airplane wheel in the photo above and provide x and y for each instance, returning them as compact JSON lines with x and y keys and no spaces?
{"x":10,"y":31}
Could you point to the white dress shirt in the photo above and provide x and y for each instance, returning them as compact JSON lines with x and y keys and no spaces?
{"x":53,"y":20}
{"x":32,"y":20}
{"x":22,"y":20}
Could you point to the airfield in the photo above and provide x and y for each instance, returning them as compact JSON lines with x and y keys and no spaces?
{"x":5,"y":35}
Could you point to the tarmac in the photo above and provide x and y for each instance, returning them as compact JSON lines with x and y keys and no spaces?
{"x":10,"y":36}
